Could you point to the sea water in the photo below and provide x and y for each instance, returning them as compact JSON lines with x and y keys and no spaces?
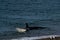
{"x":44,"y":13}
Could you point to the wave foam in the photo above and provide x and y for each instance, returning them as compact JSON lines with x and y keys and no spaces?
{"x":40,"y":37}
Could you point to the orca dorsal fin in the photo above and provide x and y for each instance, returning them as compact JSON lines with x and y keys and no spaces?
{"x":27,"y":26}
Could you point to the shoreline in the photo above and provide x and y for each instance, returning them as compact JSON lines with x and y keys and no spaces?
{"x":46,"y":37}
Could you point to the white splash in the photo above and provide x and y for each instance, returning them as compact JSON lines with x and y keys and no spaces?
{"x":20,"y":30}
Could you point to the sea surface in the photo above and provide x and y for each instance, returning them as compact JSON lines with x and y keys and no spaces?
{"x":44,"y":13}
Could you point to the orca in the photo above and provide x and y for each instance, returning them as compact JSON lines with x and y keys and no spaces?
{"x":27,"y":28}
{"x":33,"y":27}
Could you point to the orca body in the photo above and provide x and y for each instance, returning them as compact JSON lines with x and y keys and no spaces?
{"x":29,"y":28}
{"x":33,"y":28}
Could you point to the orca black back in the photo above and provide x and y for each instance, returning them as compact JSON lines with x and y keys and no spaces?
{"x":33,"y":28}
